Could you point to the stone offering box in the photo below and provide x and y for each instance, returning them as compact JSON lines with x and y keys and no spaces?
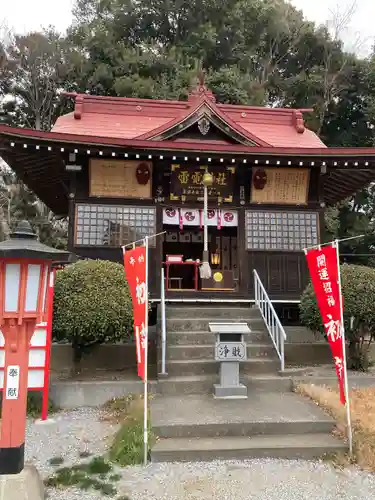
{"x":230,"y":350}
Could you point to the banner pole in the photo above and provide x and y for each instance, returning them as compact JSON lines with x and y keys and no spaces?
{"x":347,"y":402}
{"x":332,"y":243}
{"x":145,"y":397}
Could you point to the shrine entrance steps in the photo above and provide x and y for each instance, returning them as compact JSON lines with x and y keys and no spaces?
{"x":191,"y":366}
{"x":269,"y":425}
{"x":193,"y":426}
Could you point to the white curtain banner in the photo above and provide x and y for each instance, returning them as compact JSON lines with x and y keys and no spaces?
{"x":171,"y":216}
{"x":193,"y":217}
{"x":190,"y":217}
{"x":229,"y":218}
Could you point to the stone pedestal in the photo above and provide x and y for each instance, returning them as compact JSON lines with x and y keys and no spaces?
{"x":27,"y":485}
{"x":230,"y":387}
{"x":230,"y":349}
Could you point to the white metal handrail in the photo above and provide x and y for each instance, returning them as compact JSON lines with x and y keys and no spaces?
{"x":271,"y":319}
{"x":163,"y":325}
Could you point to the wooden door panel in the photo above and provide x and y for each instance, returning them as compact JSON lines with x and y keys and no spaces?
{"x":284,"y":275}
{"x":275,"y":274}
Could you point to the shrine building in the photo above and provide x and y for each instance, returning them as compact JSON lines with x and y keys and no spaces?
{"x":124,"y":168}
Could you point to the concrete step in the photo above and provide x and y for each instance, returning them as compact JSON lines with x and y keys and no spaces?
{"x":192,"y":351}
{"x":203,"y":384}
{"x":301,"y":334}
{"x":237,"y":429}
{"x":211,"y":367}
{"x":207,"y":338}
{"x":197,"y":324}
{"x":219,"y":312}
{"x":296,"y":446}
{"x":195,"y":384}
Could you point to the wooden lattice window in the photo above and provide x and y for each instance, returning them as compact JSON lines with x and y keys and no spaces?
{"x":288,"y":231}
{"x":113,"y":225}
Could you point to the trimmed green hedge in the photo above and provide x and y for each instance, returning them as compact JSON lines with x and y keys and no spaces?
{"x":358,"y":286}
{"x":92,"y":305}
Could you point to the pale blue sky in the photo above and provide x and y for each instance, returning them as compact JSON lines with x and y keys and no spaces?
{"x":26,"y":15}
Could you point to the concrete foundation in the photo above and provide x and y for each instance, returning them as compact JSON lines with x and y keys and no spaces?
{"x":69,"y":395}
{"x":27,"y":485}
{"x":230,"y":392}
{"x":230,"y":387}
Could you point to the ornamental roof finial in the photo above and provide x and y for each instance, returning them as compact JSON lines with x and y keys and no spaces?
{"x":201,"y":77}
{"x":201,"y":90}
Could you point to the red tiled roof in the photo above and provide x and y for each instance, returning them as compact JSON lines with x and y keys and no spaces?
{"x":109,"y":125}
{"x":284,"y":135}
{"x":130,"y":118}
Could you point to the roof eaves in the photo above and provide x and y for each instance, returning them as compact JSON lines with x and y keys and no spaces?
{"x":181,"y":146}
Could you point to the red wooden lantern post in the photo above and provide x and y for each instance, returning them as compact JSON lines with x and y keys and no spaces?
{"x":25,"y":267}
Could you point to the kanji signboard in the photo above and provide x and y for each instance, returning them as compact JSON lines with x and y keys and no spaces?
{"x":324,"y":276}
{"x":13,"y":382}
{"x":135,"y":271}
{"x":186,"y":183}
{"x":288,"y":186}
{"x":230,"y":351}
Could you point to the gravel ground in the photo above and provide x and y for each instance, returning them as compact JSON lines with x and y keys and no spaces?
{"x":77,"y":431}
{"x":67,"y":435}
{"x":248,"y":480}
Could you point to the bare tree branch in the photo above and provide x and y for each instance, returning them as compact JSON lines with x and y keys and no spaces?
{"x":332,"y":87}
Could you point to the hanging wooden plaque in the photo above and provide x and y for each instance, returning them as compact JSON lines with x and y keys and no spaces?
{"x":120,"y":178}
{"x":187,"y":185}
{"x":285,"y":186}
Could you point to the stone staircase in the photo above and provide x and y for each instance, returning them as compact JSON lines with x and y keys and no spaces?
{"x":192,"y":425}
{"x":190,"y":351}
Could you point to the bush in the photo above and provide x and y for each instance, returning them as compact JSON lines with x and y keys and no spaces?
{"x":358,"y":287}
{"x":92,"y":305}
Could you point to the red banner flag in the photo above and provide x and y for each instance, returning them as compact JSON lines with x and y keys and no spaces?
{"x":324,"y":276}
{"x":135,"y":272}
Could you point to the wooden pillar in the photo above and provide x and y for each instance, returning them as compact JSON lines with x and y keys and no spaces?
{"x":158,"y":250}
{"x":72,"y":215}
{"x":243,"y":267}
{"x":13,"y":412}
{"x":322,"y":207}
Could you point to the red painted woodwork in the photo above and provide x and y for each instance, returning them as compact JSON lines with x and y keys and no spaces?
{"x":193,"y":263}
{"x":18,"y":327}
{"x":13,"y":414}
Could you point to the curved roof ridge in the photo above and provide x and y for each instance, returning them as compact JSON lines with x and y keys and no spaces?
{"x":199,"y":103}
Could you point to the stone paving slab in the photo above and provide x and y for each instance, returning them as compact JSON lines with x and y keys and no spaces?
{"x":259,"y":407}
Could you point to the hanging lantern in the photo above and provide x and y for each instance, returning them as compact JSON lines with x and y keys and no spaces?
{"x":215,"y":259}
{"x":208,"y":179}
